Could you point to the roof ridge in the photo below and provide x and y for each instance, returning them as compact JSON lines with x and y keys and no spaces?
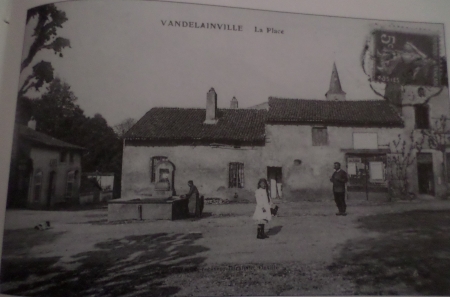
{"x":38,"y":134}
{"x":194,"y":108}
{"x":324,"y":100}
{"x":183,"y":108}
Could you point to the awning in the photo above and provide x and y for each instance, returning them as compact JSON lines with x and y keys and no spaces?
{"x":367,"y":151}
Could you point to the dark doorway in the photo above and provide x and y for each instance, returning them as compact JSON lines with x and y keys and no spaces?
{"x":275,"y":179}
{"x":25,"y":169}
{"x":51,"y":187}
{"x":425,"y":173}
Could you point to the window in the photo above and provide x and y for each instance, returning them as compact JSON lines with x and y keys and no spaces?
{"x":447,"y":161}
{"x":71,"y":155}
{"x":365,"y":141}
{"x":37,"y":185}
{"x":319,"y":136}
{"x":62,"y":157}
{"x":70,"y":183}
{"x":421,"y":113}
{"x":376,"y":171}
{"x":155,"y":161}
{"x":75,"y":182}
{"x":236,"y":175}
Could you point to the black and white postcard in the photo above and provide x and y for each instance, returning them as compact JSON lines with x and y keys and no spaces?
{"x":164,"y":148}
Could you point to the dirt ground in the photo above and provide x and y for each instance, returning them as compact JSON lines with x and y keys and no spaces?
{"x":400,"y":248}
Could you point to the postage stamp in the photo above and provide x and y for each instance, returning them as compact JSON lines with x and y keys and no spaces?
{"x":406,"y":58}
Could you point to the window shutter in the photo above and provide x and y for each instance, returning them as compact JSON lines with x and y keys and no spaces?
{"x":236,"y":175}
{"x":447,"y":156}
{"x":319,"y":136}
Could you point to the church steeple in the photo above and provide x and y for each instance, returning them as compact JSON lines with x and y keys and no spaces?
{"x":335,"y":92}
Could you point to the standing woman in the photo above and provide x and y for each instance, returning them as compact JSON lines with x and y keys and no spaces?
{"x":262,"y":212}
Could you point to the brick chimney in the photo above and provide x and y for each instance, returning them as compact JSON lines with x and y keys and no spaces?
{"x":211,"y":107}
{"x":234,"y":103}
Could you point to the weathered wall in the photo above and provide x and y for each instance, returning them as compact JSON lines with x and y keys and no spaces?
{"x":41,"y":161}
{"x":311,"y":179}
{"x":206,"y":166}
{"x":439,"y":105}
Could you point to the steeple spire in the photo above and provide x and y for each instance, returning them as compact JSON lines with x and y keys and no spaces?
{"x":335,"y":92}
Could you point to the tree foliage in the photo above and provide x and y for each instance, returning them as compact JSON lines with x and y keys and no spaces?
{"x":58,"y":114}
{"x":49,"y":19}
{"x":45,"y":37}
{"x":402,"y":157}
{"x":438,"y":138}
{"x":124,"y":126}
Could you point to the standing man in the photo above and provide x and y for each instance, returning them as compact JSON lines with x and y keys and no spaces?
{"x":339,"y":178}
{"x":198,"y":205}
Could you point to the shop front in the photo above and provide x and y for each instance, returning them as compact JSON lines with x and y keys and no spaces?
{"x":366,"y":171}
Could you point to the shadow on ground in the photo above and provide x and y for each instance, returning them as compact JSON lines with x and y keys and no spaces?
{"x":132,"y":266}
{"x":412,"y":255}
{"x":274,"y":231}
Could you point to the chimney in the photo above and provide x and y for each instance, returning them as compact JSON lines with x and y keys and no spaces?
{"x":211,"y":107}
{"x":32,"y":123}
{"x":234,"y":103}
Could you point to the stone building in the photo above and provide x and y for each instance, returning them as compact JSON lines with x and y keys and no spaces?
{"x":291,"y":142}
{"x":48,"y":170}
{"x":213,"y":147}
{"x":426,"y":110}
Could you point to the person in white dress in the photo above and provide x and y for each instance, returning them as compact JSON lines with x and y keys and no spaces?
{"x":262,"y":214}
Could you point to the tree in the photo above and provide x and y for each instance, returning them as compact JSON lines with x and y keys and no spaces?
{"x":124,"y":126}
{"x":438,"y":138}
{"x":48,"y":19}
{"x":402,"y":156}
{"x":57,"y":113}
{"x":103,"y":149}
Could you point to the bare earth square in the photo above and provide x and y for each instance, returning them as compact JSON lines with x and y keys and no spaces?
{"x":396,"y":248}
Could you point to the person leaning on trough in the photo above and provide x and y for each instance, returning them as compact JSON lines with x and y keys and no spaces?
{"x":198,"y":203}
{"x":339,"y":178}
{"x":262,"y":213}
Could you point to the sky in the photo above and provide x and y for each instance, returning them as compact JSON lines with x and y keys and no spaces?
{"x":123,"y":61}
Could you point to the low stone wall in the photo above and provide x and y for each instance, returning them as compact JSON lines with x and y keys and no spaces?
{"x":86,"y":198}
{"x":139,"y":210}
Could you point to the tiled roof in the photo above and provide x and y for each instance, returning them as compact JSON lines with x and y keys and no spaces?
{"x":373,"y":113}
{"x":168,"y":124}
{"x":44,"y":139}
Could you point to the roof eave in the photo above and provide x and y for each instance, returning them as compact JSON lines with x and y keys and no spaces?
{"x":337,"y":124}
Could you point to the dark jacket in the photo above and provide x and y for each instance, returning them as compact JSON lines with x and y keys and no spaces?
{"x":339,"y":178}
{"x":193,"y":191}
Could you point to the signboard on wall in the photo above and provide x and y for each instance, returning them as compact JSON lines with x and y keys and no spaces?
{"x":365,"y":141}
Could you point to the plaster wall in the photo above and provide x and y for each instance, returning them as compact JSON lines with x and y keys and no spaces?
{"x":310,"y":180}
{"x":41,"y":161}
{"x":206,"y":166}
